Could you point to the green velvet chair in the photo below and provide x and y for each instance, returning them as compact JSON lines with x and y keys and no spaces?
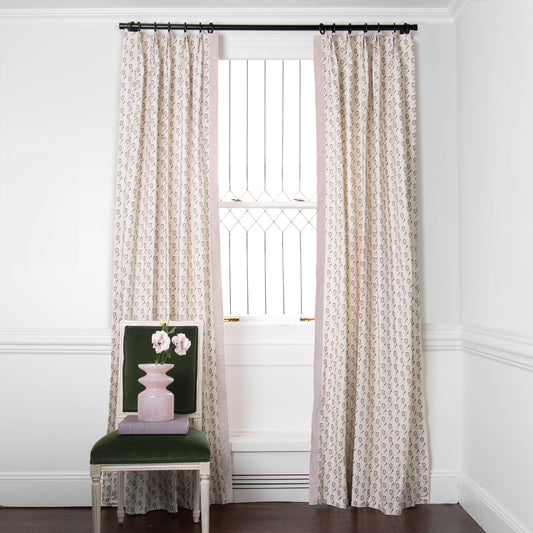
{"x":125,"y":453}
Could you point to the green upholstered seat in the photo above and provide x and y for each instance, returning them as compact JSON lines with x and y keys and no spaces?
{"x":138,"y":449}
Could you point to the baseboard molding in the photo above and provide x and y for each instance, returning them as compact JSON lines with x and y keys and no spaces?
{"x":45,"y":489}
{"x":73,"y":489}
{"x":485,"y":510}
{"x":443,"y":487}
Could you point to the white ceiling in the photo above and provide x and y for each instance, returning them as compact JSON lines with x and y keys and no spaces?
{"x":221,"y":4}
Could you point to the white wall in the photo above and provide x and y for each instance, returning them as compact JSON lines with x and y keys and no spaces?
{"x":59,"y":89}
{"x":495,"y":125}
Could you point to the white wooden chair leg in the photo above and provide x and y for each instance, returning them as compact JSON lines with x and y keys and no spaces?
{"x":120,"y":497}
{"x":96,"y":496}
{"x":196,"y":497}
{"x":204,"y":496}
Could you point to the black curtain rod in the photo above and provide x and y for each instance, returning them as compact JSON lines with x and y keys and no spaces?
{"x":322,"y":28}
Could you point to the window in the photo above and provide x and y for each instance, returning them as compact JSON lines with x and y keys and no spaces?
{"x":267,"y":175}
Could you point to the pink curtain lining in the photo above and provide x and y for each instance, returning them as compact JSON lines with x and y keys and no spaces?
{"x":317,"y":385}
{"x":216,"y":265}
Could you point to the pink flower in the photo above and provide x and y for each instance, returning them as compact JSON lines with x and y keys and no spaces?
{"x":160,"y":341}
{"x":182,"y":343}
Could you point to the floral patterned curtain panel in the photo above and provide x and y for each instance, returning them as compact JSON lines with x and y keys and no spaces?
{"x":369,"y":444}
{"x":166,"y":249}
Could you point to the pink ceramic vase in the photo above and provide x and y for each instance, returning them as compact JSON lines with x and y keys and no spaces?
{"x":156,"y":403}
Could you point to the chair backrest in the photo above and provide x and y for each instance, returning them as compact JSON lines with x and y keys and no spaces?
{"x":136,"y":348}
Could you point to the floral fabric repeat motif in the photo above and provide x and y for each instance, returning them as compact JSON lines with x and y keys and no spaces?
{"x":369,"y":444}
{"x":166,"y":254}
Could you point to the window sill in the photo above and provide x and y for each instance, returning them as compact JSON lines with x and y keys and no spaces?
{"x":270,"y":320}
{"x":274,"y":441}
{"x":269,"y":331}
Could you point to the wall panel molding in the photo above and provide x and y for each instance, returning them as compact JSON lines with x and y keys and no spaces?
{"x":58,"y":341}
{"x":502,"y":346}
{"x":444,"y":337}
{"x":237,"y":337}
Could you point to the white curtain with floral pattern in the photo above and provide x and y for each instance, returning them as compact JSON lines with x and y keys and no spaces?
{"x":369,"y":443}
{"x":166,"y":244}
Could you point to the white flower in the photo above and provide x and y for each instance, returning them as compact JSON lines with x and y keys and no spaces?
{"x":182,"y":343}
{"x":160,"y":341}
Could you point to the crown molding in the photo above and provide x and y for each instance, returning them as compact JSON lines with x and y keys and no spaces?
{"x":231,"y":15}
{"x":456,"y":7}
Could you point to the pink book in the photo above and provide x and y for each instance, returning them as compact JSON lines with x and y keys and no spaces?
{"x":131,"y":425}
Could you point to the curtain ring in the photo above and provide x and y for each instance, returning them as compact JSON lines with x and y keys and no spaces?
{"x":366,"y":27}
{"x":321,"y":29}
{"x":379,"y":29}
{"x":211,"y":28}
{"x":406,"y":29}
{"x":184,"y":27}
{"x":200,"y":27}
{"x":333,"y":29}
{"x":394,"y":27}
{"x":168,"y":27}
{"x":350,"y":28}
{"x":155,"y":27}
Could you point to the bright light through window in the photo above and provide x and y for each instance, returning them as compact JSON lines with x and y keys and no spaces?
{"x":267,"y":175}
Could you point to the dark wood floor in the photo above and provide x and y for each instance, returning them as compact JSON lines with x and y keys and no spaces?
{"x":246,"y":518}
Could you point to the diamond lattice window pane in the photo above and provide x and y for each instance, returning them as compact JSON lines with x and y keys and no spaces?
{"x":267,"y":177}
